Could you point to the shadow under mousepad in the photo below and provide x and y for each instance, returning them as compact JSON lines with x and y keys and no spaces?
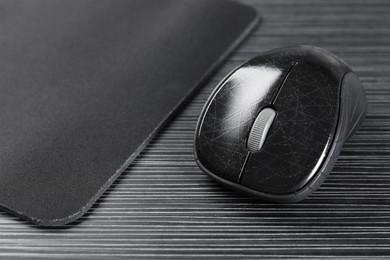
{"x":85,"y":84}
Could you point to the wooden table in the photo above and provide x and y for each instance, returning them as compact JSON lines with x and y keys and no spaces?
{"x":163,"y":206}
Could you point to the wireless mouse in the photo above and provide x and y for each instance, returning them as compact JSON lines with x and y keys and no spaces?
{"x":274,"y":127}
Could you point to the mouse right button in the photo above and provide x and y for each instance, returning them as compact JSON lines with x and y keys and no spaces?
{"x":297,"y":143}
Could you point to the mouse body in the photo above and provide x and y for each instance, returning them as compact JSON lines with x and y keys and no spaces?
{"x":274,"y":126}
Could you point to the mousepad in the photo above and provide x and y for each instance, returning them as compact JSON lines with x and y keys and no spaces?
{"x":86,"y":84}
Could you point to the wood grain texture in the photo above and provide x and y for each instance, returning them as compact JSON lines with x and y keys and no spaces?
{"x":163,"y":206}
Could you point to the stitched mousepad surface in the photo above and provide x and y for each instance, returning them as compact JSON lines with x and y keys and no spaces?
{"x":85,"y":84}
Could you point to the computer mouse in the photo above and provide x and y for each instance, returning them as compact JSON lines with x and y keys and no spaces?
{"x":274,"y":126}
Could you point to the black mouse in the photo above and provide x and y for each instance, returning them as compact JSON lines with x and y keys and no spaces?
{"x":275,"y":125}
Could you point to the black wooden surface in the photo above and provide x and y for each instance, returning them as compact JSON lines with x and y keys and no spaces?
{"x":163,"y":206}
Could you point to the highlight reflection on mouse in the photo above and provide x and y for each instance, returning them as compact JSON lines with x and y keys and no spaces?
{"x":274,"y":127}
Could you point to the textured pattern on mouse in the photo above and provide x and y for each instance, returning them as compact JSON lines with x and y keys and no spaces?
{"x":301,"y":134}
{"x":232,"y":111}
{"x":303,"y":141}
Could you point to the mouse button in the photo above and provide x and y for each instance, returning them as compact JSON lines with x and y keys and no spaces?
{"x":301,"y":134}
{"x":224,"y":125}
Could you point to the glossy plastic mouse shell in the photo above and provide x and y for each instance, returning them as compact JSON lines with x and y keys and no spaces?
{"x":315,"y":95}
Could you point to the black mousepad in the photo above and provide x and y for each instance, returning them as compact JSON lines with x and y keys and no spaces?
{"x":85,"y":84}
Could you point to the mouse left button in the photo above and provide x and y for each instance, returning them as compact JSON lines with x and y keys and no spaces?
{"x":226,"y":120}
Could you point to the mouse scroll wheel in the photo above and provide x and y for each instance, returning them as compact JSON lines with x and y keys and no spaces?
{"x":260,"y":129}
